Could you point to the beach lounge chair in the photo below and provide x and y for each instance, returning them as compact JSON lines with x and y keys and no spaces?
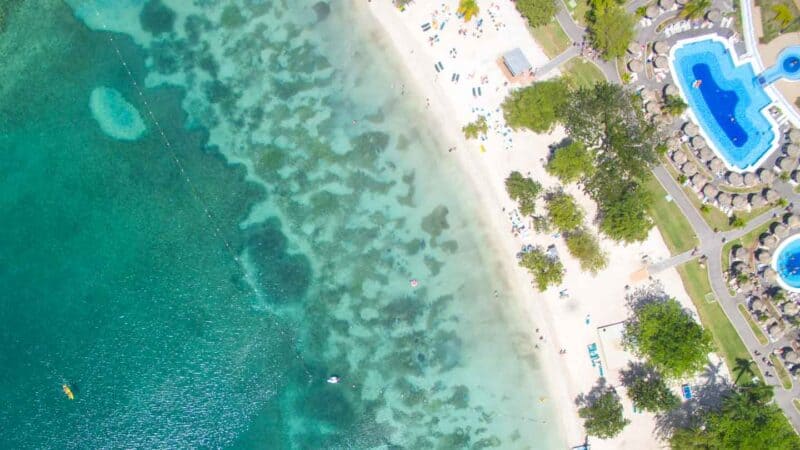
{"x":687,"y":392}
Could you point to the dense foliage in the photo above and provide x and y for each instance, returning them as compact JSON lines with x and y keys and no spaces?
{"x":468,"y":9}
{"x":538,"y":12}
{"x":610,"y":28}
{"x":625,"y":215}
{"x":668,"y":338}
{"x":584,"y":246}
{"x":563,"y":212}
{"x":536,"y":107}
{"x":674,"y":105}
{"x":648,"y":391}
{"x":524,"y":191}
{"x":603,"y":416}
{"x":546,"y":271}
{"x":695,"y":9}
{"x":474,"y":129}
{"x":570,"y":163}
{"x":746,"y":420}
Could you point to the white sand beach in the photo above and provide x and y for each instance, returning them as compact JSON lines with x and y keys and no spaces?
{"x":570,"y":323}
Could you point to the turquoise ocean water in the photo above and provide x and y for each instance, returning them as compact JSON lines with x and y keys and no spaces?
{"x":195,"y":234}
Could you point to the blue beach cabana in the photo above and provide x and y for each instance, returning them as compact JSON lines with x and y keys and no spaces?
{"x":516,"y":62}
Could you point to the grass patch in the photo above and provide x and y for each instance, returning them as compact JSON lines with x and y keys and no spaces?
{"x":772,"y":14}
{"x":552,"y":38}
{"x":796,"y":403}
{"x":578,"y":10}
{"x":780,"y":369}
{"x":675,"y":229}
{"x":753,"y":325}
{"x":727,"y":341}
{"x":582,"y":73}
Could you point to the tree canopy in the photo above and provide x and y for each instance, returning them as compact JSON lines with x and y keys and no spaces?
{"x":674,"y":105}
{"x":584,"y":246}
{"x":546,"y":271}
{"x":602,"y":417}
{"x":468,"y":9}
{"x":538,"y":12}
{"x":668,"y":338}
{"x":536,"y":107}
{"x":648,"y":390}
{"x":524,"y":191}
{"x":563,"y":212}
{"x":474,"y":129}
{"x":746,"y":420}
{"x":610,"y":29}
{"x":695,"y":9}
{"x":570,"y":163}
{"x":624,"y":215}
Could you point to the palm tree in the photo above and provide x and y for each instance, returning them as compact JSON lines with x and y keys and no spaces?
{"x":783,"y":15}
{"x":468,"y":9}
{"x":743,"y":366}
{"x":695,"y":9}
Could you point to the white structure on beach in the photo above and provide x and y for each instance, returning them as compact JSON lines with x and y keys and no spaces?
{"x":516,"y":62}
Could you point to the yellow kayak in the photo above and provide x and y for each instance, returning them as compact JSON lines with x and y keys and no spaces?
{"x":68,"y":392}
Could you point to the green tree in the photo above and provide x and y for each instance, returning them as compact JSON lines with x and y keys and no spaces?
{"x":602,"y":417}
{"x":624,"y":216}
{"x":475,"y":129}
{"x":744,"y":368}
{"x":783,"y":15}
{"x":695,"y":9}
{"x":611,"y":30}
{"x":648,"y":391}
{"x":584,"y":246}
{"x":667,"y":336}
{"x":736,"y":221}
{"x":563,"y":212}
{"x":536,"y":107}
{"x":546,"y":271}
{"x":537,"y":12}
{"x":524,"y":191}
{"x":746,"y":420}
{"x":674,"y":105}
{"x":468,"y":9}
{"x":570,"y":163}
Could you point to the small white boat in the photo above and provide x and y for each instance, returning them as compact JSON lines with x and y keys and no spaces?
{"x":333,"y":380}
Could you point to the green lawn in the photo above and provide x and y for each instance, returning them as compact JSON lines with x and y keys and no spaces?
{"x":796,"y":404}
{"x":728,"y":343}
{"x":780,"y":369}
{"x":582,"y":73}
{"x":671,"y":222}
{"x":579,"y":10}
{"x":552,"y":38}
{"x":753,"y":325}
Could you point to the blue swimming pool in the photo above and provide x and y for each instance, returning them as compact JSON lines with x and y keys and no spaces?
{"x":727,"y":101}
{"x":787,"y":263}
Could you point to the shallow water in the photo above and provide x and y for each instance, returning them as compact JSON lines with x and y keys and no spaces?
{"x":197,"y":282}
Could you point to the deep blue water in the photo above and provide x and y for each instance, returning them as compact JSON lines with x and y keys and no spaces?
{"x":722,"y":104}
{"x":788,"y":263}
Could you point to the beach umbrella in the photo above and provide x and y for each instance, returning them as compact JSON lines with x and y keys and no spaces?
{"x":765,"y":176}
{"x":794,"y":135}
{"x":791,"y":357}
{"x":670,"y":90}
{"x":690,"y":128}
{"x":792,"y":220}
{"x":709,"y":191}
{"x":738,"y":201}
{"x":780,"y":230}
{"x":705,"y":154}
{"x":660,"y":62}
{"x":734,"y":178}
{"x":768,"y":240}
{"x":793,"y":150}
{"x":771,"y":195}
{"x":713,"y":15}
{"x":660,"y":47}
{"x":749,"y":179}
{"x":789,"y":308}
{"x":716,"y":165}
{"x":699,"y":142}
{"x":757,"y":200}
{"x":651,"y":11}
{"x":689,"y":169}
{"x":652,"y":108}
{"x":666,"y":4}
{"x":679,"y":157}
{"x":770,"y":275}
{"x":773,"y":329}
{"x":635,"y":65}
{"x":634,"y":48}
{"x":786,"y":164}
{"x":724,"y":200}
{"x":739,"y":253}
{"x":757,"y":305}
{"x":763,"y":256}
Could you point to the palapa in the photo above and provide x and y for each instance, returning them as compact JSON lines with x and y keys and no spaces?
{"x":724,"y":200}
{"x":709,"y":191}
{"x":792,"y":150}
{"x":690,"y":128}
{"x":739,"y":253}
{"x":763,"y":256}
{"x":689,"y":169}
{"x":749,"y":179}
{"x":771,"y":195}
{"x":651,"y":11}
{"x":738,"y":201}
{"x":768,"y":240}
{"x":670,"y":90}
{"x":756,"y":200}
{"x":635,"y":65}
{"x":679,"y":157}
{"x":794,"y":135}
{"x":765,"y":176}
{"x":786,"y":164}
{"x":713,"y":15}
{"x":734,"y":178}
{"x":716,"y":165}
{"x":660,"y":47}
{"x":699,"y":142}
{"x":705,"y":154}
{"x":660,"y":62}
{"x":792,"y":220}
{"x":780,"y":230}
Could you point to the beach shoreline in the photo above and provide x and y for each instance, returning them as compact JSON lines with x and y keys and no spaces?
{"x":487,"y":163}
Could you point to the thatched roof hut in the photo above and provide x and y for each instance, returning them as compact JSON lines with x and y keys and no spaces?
{"x":796,"y":176}
{"x":724,"y":200}
{"x":786,"y":163}
{"x":661,"y":47}
{"x":768,"y":240}
{"x":634,"y":48}
{"x":689,"y":169}
{"x":651,"y":12}
{"x":709,"y":191}
{"x":714,"y":15}
{"x":738,"y":201}
{"x":705,"y":154}
{"x":765,"y":176}
{"x":699,"y":142}
{"x":792,"y":220}
{"x":749,"y":179}
{"x":734,"y":178}
{"x":791,"y":357}
{"x":653,"y":108}
{"x":716,"y":165}
{"x":758,"y":305}
{"x":681,"y":2}
{"x":770,"y":275}
{"x":739,"y":253}
{"x":792,"y":150}
{"x":690,"y":128}
{"x":763,"y":256}
{"x":773,"y":329}
{"x":673,"y":143}
{"x":670,"y":90}
{"x":635,"y":65}
{"x":794,"y":135}
{"x":790,"y":308}
{"x":666,"y":4}
{"x":756,"y":200}
{"x":739,"y":267}
{"x":771,"y":195}
{"x":660,"y":62}
{"x":679,"y":157}
{"x":780,"y":230}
